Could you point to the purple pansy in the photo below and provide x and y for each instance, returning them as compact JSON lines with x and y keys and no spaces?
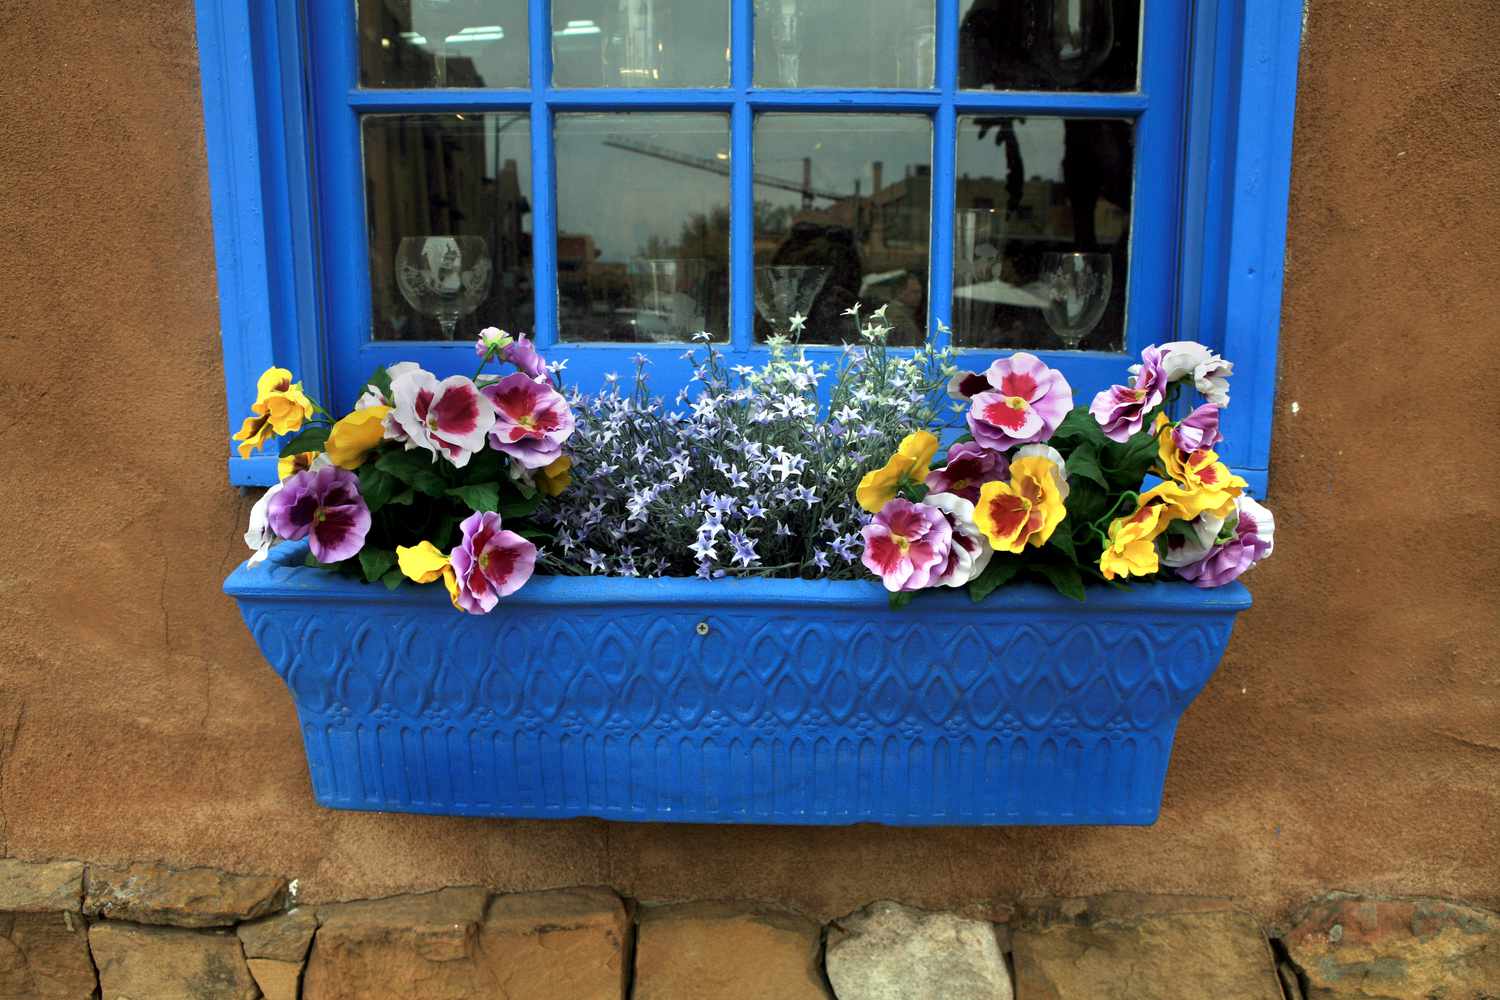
{"x":970,"y":552}
{"x":1024,"y":403}
{"x":907,"y":545}
{"x":532,"y":420}
{"x":522,"y":353}
{"x":1253,"y":540}
{"x":970,"y":466}
{"x":323,"y":506}
{"x":489,"y":562}
{"x":1121,"y":409}
{"x":1199,"y":430}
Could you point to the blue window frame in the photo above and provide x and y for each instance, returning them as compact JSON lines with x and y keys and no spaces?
{"x":1213,"y":117}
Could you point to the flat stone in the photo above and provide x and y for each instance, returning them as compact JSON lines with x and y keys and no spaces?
{"x":45,"y":956}
{"x":1391,"y":949}
{"x":1124,"y":947}
{"x":690,"y":951}
{"x":457,"y":943}
{"x":149,"y":893}
{"x":284,"y":937}
{"x":887,"y":951}
{"x":277,"y":980}
{"x":48,"y":887}
{"x":169,"y":963}
{"x":560,"y":945}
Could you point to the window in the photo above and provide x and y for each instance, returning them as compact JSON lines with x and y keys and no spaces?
{"x":613,"y":175}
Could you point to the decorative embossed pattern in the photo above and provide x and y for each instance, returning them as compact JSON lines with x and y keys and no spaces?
{"x":801,"y":702}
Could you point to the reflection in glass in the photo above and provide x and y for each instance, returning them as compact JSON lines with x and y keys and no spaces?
{"x":1075,"y":288}
{"x":642,"y":226}
{"x":850,"y":194}
{"x":443,"y":43}
{"x":826,"y":43}
{"x":1029,"y":188}
{"x":433,"y":182}
{"x":640,"y":43}
{"x":1048,"y":44}
{"x":445,"y":277}
{"x":784,"y":295}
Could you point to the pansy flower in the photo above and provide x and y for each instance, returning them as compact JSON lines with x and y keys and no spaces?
{"x":1121,"y":409}
{"x":523,"y":354}
{"x":907,"y":545}
{"x":323,"y":506}
{"x":353,"y":437}
{"x":909,"y":464}
{"x":372,"y":396}
{"x":280,"y":407}
{"x":1188,"y":359}
{"x":1197,"y":431}
{"x":970,"y":466}
{"x":970,"y":552}
{"x":532,"y":420}
{"x":1253,"y":541}
{"x":553,"y":479}
{"x":489,"y":563}
{"x":425,"y":563}
{"x":1131,"y":547}
{"x":1024,"y":511}
{"x":259,"y":537}
{"x":449,"y":417}
{"x":290,"y":465}
{"x":1024,"y":403}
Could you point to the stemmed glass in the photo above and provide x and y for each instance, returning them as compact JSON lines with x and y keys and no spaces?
{"x":1070,"y":39}
{"x":784,"y":291}
{"x":445,"y":277}
{"x":668,"y":293}
{"x":785,"y":38}
{"x":1075,"y":291}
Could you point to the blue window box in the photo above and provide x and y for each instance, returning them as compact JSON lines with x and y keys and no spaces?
{"x":756,"y":701}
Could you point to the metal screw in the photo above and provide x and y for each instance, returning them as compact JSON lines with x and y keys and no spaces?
{"x":701,"y":628}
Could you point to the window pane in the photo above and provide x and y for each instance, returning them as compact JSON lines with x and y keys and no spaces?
{"x":1042,"y":233}
{"x":842,"y":204}
{"x":830,"y":43}
{"x":443,"y":43}
{"x":1048,"y":44}
{"x":640,"y":43}
{"x":642,"y":226}
{"x":448,"y":200}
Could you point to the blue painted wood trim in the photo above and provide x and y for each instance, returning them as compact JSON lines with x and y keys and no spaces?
{"x":255,"y":138}
{"x":1263,"y":110}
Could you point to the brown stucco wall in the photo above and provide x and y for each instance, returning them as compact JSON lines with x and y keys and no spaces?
{"x":1351,"y":738}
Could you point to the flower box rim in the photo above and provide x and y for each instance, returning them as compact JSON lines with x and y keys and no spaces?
{"x":284,"y":577}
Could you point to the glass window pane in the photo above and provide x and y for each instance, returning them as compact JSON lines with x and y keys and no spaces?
{"x":842,"y":204}
{"x":1048,"y":44}
{"x":1042,"y":233}
{"x":443,"y":43}
{"x":640,"y":43}
{"x":448,"y":199}
{"x":829,"y":43}
{"x":642,"y":226}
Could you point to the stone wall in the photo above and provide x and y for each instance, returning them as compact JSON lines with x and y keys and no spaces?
{"x":129,"y":932}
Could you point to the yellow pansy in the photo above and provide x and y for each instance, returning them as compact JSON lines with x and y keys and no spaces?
{"x":352,"y":437}
{"x":912,"y":461}
{"x":555,"y":478}
{"x":280,"y":407}
{"x":290,"y":465}
{"x":425,"y":563}
{"x":1132,"y":542}
{"x":1024,"y":511}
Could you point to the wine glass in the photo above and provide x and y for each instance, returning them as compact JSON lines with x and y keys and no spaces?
{"x":1075,"y":290}
{"x":785,"y":291}
{"x":786,"y":38}
{"x":668,"y":296}
{"x":1070,"y":39}
{"x":445,"y":277}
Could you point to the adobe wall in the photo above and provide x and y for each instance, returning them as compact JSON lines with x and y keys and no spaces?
{"x":1350,"y":739}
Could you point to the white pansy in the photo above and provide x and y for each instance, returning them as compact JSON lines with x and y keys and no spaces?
{"x":259,"y":538}
{"x":1202,"y":535}
{"x":971,"y":551}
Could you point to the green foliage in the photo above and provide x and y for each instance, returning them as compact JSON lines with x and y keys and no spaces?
{"x":478,"y":496}
{"x":1001,"y":570}
{"x":416,"y":469}
{"x":898,"y":599}
{"x":1062,"y":575}
{"x":311,"y":438}
{"x":375,"y":562}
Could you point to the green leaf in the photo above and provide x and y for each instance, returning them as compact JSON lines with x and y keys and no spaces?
{"x":1064,"y":577}
{"x":1083,"y":463}
{"x":997,"y":574}
{"x":478,"y":496}
{"x":1125,"y":465}
{"x":404,"y":498}
{"x":381,"y":380}
{"x":898,"y":599}
{"x":376,"y":563}
{"x":310,"y":559}
{"x":393,"y":579}
{"x":376,"y":486}
{"x":521,"y":508}
{"x":1086,"y":502}
{"x":415,"y":469}
{"x":1062,"y":539}
{"x":312,"y":438}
